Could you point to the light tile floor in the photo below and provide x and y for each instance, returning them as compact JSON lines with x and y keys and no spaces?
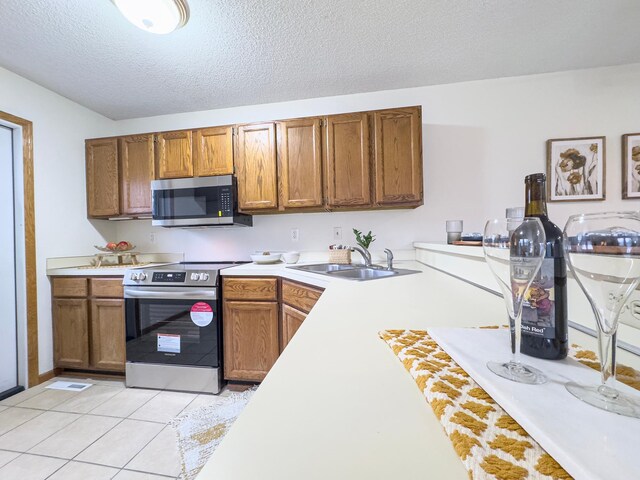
{"x":105,"y":432}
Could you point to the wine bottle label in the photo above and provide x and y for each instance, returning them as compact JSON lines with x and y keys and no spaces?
{"x":538,"y":309}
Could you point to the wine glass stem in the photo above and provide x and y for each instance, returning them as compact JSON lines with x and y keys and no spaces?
{"x":516,"y":335}
{"x":607,"y":352}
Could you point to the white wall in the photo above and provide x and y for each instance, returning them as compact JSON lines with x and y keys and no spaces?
{"x":59,"y":129}
{"x":480,"y":140}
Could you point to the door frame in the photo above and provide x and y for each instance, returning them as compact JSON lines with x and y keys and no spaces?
{"x":31,"y":294}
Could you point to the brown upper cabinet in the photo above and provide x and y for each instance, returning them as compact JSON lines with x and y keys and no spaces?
{"x":256,"y":167}
{"x":300,"y":163}
{"x":398,"y":156}
{"x":352,"y":161}
{"x":119,"y":174}
{"x":174,"y":154}
{"x":347,"y":160}
{"x":137,"y":171}
{"x":213,"y":151}
{"x":103,"y":196}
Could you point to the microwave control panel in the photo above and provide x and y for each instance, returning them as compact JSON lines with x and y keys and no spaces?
{"x":169,"y":277}
{"x":226,"y":202}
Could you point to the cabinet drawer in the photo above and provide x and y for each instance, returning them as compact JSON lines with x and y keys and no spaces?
{"x":250,"y":289}
{"x":106,"y":287}
{"x":299,"y":296}
{"x":70,"y":287}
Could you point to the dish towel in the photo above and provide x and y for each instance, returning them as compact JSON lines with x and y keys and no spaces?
{"x":490,"y":443}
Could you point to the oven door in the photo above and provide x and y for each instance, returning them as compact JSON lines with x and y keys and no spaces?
{"x":173,"y":325}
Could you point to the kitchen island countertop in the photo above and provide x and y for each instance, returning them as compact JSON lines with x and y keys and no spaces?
{"x":338,"y":404}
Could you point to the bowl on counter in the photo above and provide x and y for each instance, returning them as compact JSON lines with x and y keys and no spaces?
{"x":291,"y":257}
{"x":265,"y":257}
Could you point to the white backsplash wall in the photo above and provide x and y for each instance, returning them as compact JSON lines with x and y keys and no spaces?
{"x":273,"y":233}
{"x":480,"y":139}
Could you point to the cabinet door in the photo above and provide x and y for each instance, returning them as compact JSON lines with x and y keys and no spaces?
{"x":300,"y":296}
{"x":291,"y":319}
{"x":108,"y":350}
{"x":103,"y":197}
{"x":213,"y":151}
{"x":174,"y":154}
{"x":256,"y":167}
{"x":347,"y":160}
{"x":398,"y":156}
{"x":137,"y":165}
{"x":251,"y":344}
{"x":300,"y":163}
{"x":71,"y":332}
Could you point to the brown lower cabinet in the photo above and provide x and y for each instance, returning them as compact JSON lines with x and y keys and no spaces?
{"x":88,"y":324}
{"x":250,"y":339}
{"x":297,"y":300}
{"x":290,"y":321}
{"x":261,"y":315}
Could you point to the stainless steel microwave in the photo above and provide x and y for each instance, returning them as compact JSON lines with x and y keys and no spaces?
{"x":197,"y":202}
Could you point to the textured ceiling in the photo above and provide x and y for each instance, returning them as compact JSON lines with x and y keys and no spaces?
{"x":242,"y":52}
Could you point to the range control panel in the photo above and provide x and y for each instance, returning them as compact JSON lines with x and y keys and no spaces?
{"x":169,"y":277}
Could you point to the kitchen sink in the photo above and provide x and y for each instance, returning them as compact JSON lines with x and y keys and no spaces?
{"x":365,"y":273}
{"x":325,"y":267}
{"x":353,"y":272}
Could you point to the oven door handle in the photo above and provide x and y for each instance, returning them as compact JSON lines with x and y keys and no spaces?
{"x":171,"y":294}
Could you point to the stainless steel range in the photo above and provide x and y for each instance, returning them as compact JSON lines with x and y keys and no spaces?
{"x":173,"y":327}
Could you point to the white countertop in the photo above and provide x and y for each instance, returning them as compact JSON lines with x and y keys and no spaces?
{"x":338,"y":404}
{"x":82,"y":265}
{"x":441,"y":247}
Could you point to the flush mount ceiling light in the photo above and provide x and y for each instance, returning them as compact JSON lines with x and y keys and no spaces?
{"x":155,"y":16}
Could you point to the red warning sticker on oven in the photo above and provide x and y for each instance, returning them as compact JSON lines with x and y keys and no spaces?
{"x":201,"y":314}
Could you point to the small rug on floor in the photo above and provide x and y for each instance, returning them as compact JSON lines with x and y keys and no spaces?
{"x":200,"y":431}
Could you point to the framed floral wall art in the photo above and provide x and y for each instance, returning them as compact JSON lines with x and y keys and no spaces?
{"x":576,"y":169}
{"x":631,"y":165}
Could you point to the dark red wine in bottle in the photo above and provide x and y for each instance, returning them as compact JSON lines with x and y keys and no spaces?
{"x":544,"y":314}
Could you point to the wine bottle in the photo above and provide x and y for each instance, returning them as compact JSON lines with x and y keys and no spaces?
{"x":544,"y":313}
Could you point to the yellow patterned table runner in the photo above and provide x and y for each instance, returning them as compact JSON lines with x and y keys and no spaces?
{"x":490,"y":443}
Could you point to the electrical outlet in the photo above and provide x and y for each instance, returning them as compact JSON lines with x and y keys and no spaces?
{"x":152,"y":238}
{"x":295,"y":234}
{"x":337,"y":233}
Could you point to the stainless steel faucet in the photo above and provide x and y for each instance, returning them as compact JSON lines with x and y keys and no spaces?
{"x":365,"y":255}
{"x":389,"y":258}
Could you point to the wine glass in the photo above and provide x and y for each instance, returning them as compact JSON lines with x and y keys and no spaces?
{"x":603,"y":253}
{"x":514,"y":249}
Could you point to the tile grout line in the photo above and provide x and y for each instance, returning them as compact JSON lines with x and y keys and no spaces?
{"x":33,"y":455}
{"x":141,"y":406}
{"x":90,"y":414}
{"x":12,"y":429}
{"x":72,"y":458}
{"x":62,"y":428}
{"x":165,"y":426}
{"x":91,"y":444}
{"x":58,"y":469}
{"x":80,"y":393}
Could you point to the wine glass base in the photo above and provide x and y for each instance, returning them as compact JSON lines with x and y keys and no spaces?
{"x":606,"y":398}
{"x":518,"y":372}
